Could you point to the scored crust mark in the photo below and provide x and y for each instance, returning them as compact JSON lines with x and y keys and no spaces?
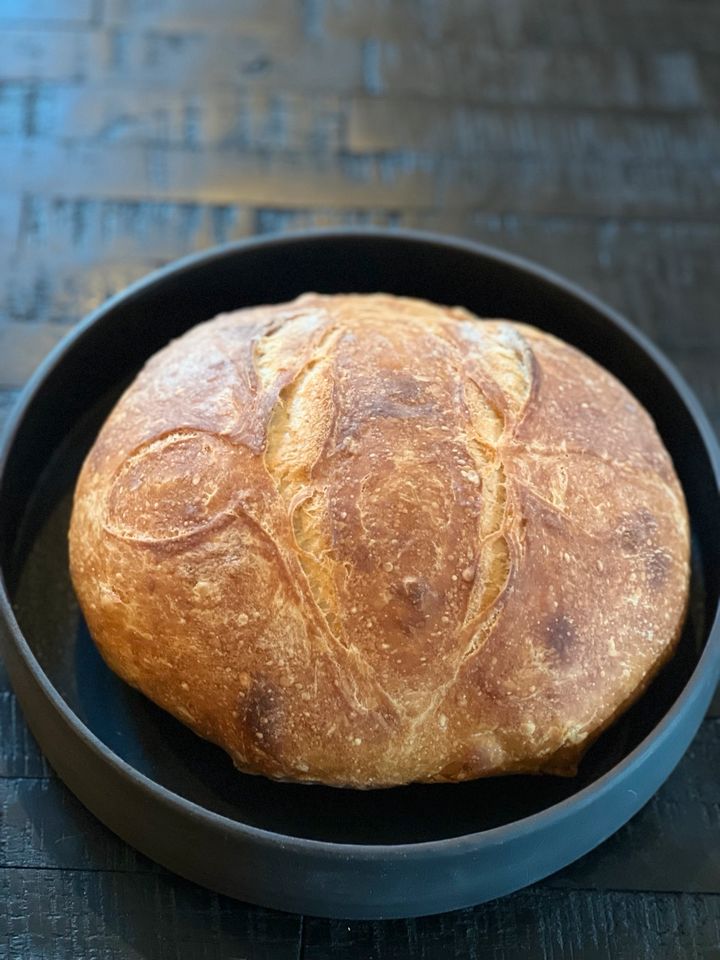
{"x":509,"y":358}
{"x":501,"y":361}
{"x":297,"y":431}
{"x":312,"y":537}
{"x":288,"y":331}
{"x":506,"y":360}
{"x":172,"y":487}
{"x":493,"y":559}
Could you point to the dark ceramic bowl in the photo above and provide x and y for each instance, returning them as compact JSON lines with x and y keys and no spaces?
{"x":410,"y":850}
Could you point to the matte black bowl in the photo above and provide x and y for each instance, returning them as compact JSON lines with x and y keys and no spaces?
{"x":399,"y":852}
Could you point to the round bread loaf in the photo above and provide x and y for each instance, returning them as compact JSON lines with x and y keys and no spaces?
{"x":367,"y":540}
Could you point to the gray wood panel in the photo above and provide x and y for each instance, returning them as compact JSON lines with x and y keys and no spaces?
{"x":536,"y":923}
{"x":73,"y":915}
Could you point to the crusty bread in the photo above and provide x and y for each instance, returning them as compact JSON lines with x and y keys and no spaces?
{"x":366,"y":540}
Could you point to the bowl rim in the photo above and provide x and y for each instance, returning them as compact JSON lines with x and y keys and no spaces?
{"x":707,"y":666}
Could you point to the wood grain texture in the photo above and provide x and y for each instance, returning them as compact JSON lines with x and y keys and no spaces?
{"x":392,"y":179}
{"x":74,"y":253}
{"x":20,"y":755}
{"x":536,"y":923}
{"x":583,"y":135}
{"x":73,"y":915}
{"x":8,"y":399}
{"x":55,"y":915}
{"x":22,"y":348}
{"x":43,"y":825}
{"x":48,"y":12}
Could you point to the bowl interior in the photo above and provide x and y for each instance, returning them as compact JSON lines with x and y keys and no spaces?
{"x":76,"y":395}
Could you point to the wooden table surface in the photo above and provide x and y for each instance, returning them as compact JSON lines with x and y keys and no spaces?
{"x":582,"y":133}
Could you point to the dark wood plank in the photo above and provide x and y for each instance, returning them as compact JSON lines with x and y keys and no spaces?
{"x":277,"y":46}
{"x":208,"y":118}
{"x":179,"y":16}
{"x":613,"y":76}
{"x":91,"y":915}
{"x":8,"y":399}
{"x":20,"y":755}
{"x":659,"y":273}
{"x":230,"y":175}
{"x":47,"y":55}
{"x":22,"y":348}
{"x":645,"y":25}
{"x":43,"y":825}
{"x":47,"y":12}
{"x":232,"y":55}
{"x":86,"y":64}
{"x":536,"y":923}
{"x":521,"y":24}
{"x":386,"y":124}
{"x":404,"y":179}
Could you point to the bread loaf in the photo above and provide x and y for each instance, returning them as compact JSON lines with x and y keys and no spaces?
{"x":366,"y":540}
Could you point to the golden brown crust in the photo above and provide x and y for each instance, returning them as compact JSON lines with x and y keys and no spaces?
{"x":367,"y":540}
